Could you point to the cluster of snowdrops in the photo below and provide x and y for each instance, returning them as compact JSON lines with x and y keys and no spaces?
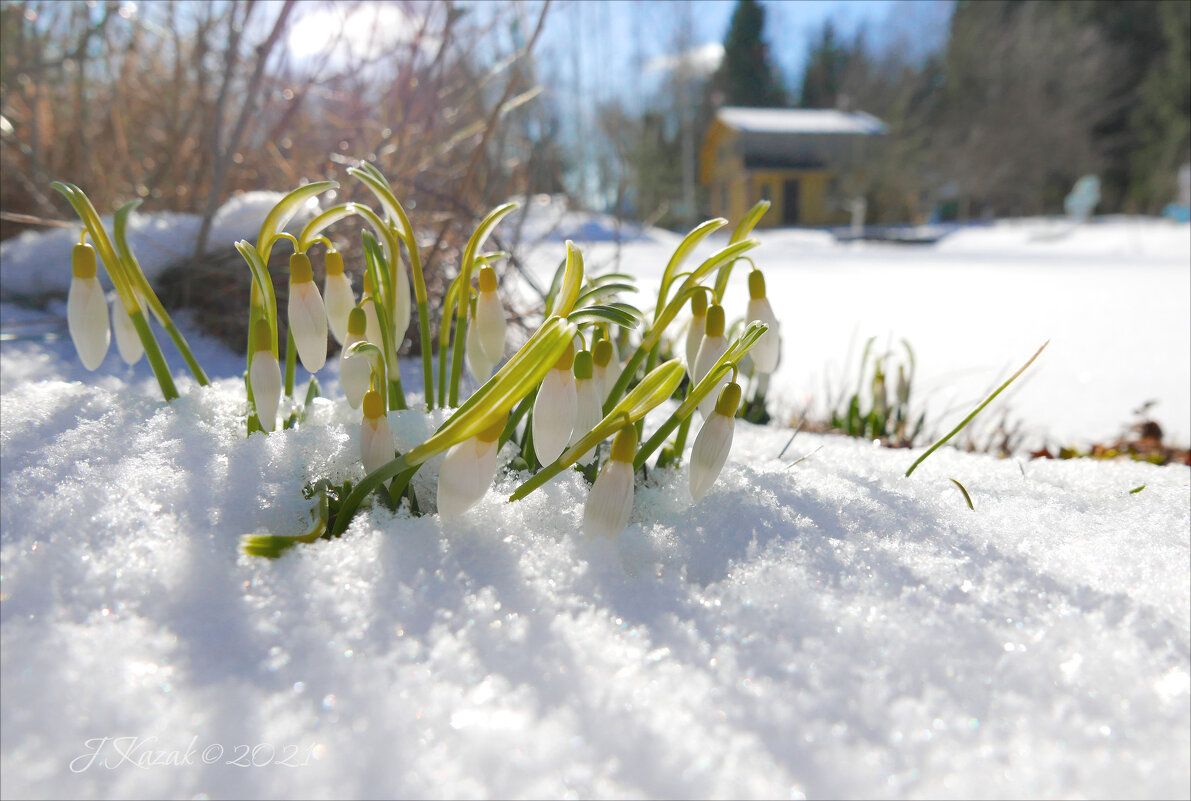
{"x":560,"y":396}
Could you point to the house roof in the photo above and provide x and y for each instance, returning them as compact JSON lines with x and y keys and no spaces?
{"x":799,"y":121}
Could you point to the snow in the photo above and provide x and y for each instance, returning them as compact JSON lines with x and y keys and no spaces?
{"x":800,"y":121}
{"x":826,"y":628}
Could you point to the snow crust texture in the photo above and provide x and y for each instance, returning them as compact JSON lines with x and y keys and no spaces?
{"x":830,"y":629}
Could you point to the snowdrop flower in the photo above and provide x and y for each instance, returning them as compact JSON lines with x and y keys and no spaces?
{"x":610,"y":502}
{"x":337,"y":292}
{"x":589,"y":410}
{"x":714,"y":441}
{"x":265,"y":375}
{"x":490,"y":317}
{"x":554,"y":409}
{"x":478,"y":362}
{"x":694,"y":332}
{"x":376,"y":441}
{"x":765,"y":352}
{"x":601,"y":357}
{"x":87,"y":309}
{"x":128,"y":342}
{"x":467,"y":471}
{"x":710,"y":350}
{"x":307,"y":315}
{"x":354,"y":370}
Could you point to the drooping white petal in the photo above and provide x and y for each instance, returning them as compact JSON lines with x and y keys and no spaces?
{"x":710,"y":452}
{"x":401,"y":305}
{"x":694,"y":338}
{"x":339,"y":300}
{"x":127,"y":341}
{"x":466,"y":475}
{"x":87,"y":319}
{"x":353,"y":373}
{"x":765,"y":351}
{"x":554,"y":414}
{"x":710,"y":350}
{"x":372,"y":326}
{"x":491,"y":325}
{"x":478,"y":363}
{"x":265,"y":375}
{"x":610,"y":503}
{"x":308,"y":323}
{"x":589,"y":411}
{"x":376,"y":443}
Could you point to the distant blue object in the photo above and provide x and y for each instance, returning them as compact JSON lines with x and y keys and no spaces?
{"x":1177,"y":212}
{"x":1083,"y":198}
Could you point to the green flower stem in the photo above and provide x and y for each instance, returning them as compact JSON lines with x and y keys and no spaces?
{"x":396,"y":393}
{"x":290,"y":358}
{"x":977,"y":410}
{"x":626,"y":375}
{"x":469,"y":260}
{"x":137,"y":276}
{"x":519,"y":412}
{"x":153,"y":353}
{"x":444,"y":335}
{"x":347,"y":509}
{"x":424,"y":336}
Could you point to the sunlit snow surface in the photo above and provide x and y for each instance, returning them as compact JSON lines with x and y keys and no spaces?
{"x":825,"y":629}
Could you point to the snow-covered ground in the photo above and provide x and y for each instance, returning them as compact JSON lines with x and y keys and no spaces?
{"x":826,"y":628}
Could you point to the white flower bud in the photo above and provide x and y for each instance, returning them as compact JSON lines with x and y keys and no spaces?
{"x":490,"y":317}
{"x":354,"y":371}
{"x":264,"y":373}
{"x":87,"y":310}
{"x":478,"y":363}
{"x":128,"y":342}
{"x":467,"y":472}
{"x":376,"y":440}
{"x":589,"y":396}
{"x":307,"y":315}
{"x":401,"y":305}
{"x":766,"y":350}
{"x":554,"y":410}
{"x":338,"y":296}
{"x":712,"y":347}
{"x":694,"y":331}
{"x":711,"y":447}
{"x":610,"y":502}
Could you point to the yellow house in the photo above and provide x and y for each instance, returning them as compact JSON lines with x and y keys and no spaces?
{"x":794,"y":158}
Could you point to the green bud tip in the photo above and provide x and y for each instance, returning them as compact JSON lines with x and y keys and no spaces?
{"x":583,"y":364}
{"x":487,"y":279}
{"x":299,"y":269}
{"x":357,"y":321}
{"x":334,"y":262}
{"x":729,"y":400}
{"x":261,"y":339}
{"x":699,"y":304}
{"x":373,"y":408}
{"x":82,"y":261}
{"x":624,"y":447}
{"x":756,"y":285}
{"x":714,"y":326}
{"x":602,"y":353}
{"x":567,"y":358}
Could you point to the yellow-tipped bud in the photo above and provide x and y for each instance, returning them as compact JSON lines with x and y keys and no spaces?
{"x":82,"y":261}
{"x":699,"y":304}
{"x":756,"y":285}
{"x":357,"y":321}
{"x":261,"y":339}
{"x":714,"y":324}
{"x":373,"y":407}
{"x":299,"y":268}
{"x":333,"y":262}
{"x":601,"y":354}
{"x":624,"y":447}
{"x":567,"y":359}
{"x":729,"y":400}
{"x":487,"y":279}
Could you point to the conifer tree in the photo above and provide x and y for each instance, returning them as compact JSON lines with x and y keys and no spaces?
{"x":747,"y":76}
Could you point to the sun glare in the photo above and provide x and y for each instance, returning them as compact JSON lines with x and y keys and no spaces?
{"x":363,"y":31}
